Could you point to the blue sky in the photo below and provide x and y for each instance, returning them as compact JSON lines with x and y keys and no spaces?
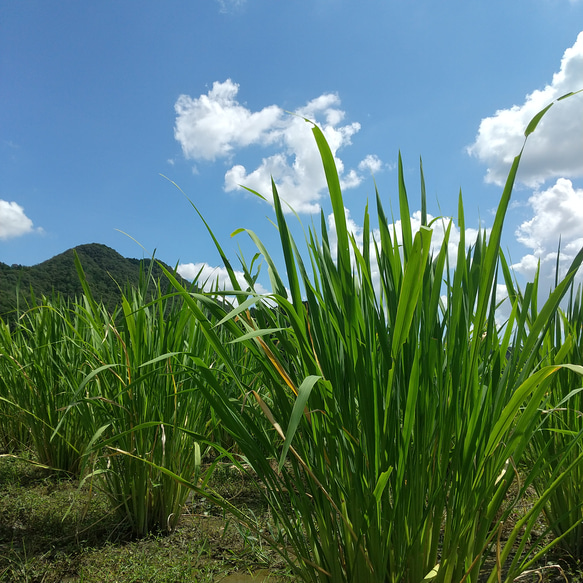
{"x":98,"y":100}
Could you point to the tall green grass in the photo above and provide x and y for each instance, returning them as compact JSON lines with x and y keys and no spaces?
{"x":395,"y":423}
{"x":13,"y":428}
{"x":557,"y":440}
{"x":93,"y":393}
{"x":146,"y":404}
{"x":391,"y":424}
{"x":43,"y":361}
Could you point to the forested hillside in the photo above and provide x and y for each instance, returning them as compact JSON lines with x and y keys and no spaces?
{"x":107,"y":273}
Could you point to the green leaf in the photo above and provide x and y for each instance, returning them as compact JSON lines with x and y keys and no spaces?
{"x":411,"y":287}
{"x":381,"y":484}
{"x":304,"y":392}
{"x":535,"y":121}
{"x":335,"y":192}
{"x":256,"y":334}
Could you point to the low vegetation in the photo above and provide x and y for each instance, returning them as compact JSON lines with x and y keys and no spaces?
{"x":52,"y":531}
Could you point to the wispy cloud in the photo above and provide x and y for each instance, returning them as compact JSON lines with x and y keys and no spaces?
{"x":226,"y":6}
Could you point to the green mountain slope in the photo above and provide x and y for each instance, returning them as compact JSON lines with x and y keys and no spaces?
{"x":107,"y":273}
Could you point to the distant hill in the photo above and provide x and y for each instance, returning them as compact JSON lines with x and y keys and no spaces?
{"x":105,"y":269}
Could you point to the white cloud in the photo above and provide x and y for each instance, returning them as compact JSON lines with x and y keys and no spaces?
{"x":213,"y":125}
{"x":557,"y":215}
{"x":558,"y":212}
{"x":212,"y":277}
{"x":556,"y":147}
{"x":216,"y":125}
{"x":371,"y":163}
{"x":13,"y":221}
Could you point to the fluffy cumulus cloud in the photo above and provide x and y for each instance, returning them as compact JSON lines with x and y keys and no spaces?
{"x":556,"y":148}
{"x":213,"y":125}
{"x":216,"y":126}
{"x":557,"y":215}
{"x":13,"y":221}
{"x":371,"y":164}
{"x":212,"y":278}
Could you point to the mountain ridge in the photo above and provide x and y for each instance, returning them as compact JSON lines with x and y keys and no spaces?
{"x":107,"y":272}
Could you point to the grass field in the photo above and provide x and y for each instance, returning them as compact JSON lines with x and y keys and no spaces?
{"x":369,"y":421}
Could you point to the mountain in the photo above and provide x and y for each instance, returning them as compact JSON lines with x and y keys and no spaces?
{"x":107,"y":273}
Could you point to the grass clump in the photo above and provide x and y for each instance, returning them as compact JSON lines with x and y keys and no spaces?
{"x":388,"y":423}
